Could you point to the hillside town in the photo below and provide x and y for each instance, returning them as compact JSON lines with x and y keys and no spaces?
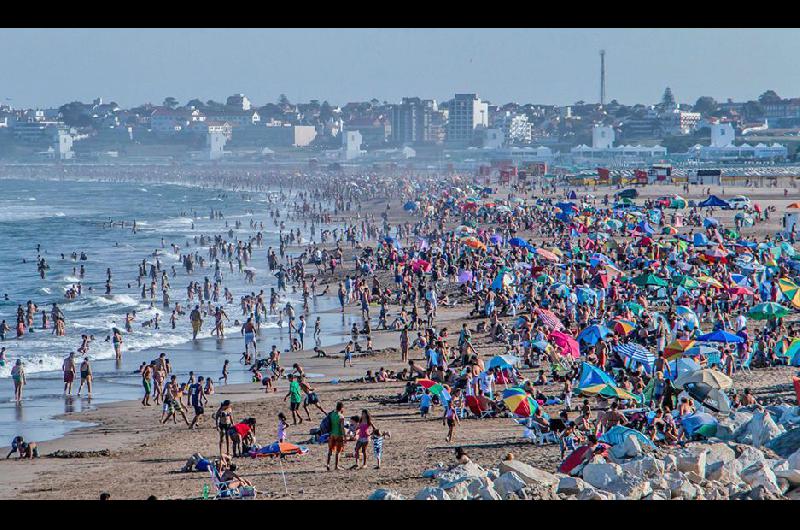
{"x":465,"y":130}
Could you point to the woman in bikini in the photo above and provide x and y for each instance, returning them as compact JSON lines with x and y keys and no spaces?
{"x":224,"y":419}
{"x":362,"y":438}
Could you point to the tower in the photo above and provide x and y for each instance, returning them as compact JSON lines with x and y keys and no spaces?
{"x":602,"y":77}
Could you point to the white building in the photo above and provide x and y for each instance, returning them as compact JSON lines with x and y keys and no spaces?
{"x":723,"y":147}
{"x":602,"y":137}
{"x":467,"y":113}
{"x":493,"y":138}
{"x":722,"y":135}
{"x":239,"y":102}
{"x":62,"y":144}
{"x":351,"y":146}
{"x":215,"y":141}
{"x":515,"y":127}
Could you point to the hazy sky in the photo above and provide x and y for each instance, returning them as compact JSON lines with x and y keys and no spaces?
{"x":46,"y":67}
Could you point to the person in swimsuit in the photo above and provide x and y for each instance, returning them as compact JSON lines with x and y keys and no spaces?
{"x":86,"y":377}
{"x":25,"y":449}
{"x":147,"y":383}
{"x":18,"y":376}
{"x":69,"y":373}
{"x":311,"y":396}
{"x":117,"y":340}
{"x":362,"y":438}
{"x":224,"y":419}
{"x":336,"y":438}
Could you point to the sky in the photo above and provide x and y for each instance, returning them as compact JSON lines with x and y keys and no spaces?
{"x":48,"y":67}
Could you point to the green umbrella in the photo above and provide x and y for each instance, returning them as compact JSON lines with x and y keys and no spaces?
{"x":649,"y":279}
{"x":768,"y":310}
{"x":687,"y":282}
{"x":635,"y":308}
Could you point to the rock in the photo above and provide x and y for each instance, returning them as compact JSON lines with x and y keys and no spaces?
{"x":488,"y":493}
{"x":591,"y":494}
{"x":600,"y":475}
{"x":719,"y":452}
{"x":786,"y":443}
{"x":790,"y":417}
{"x":571,"y":485}
{"x":432,"y":494}
{"x":460,"y":472}
{"x":538,"y":492}
{"x":746,"y":456}
{"x":794,"y":460}
{"x":670,"y":462}
{"x":759,"y":430}
{"x":794,"y":495}
{"x":695,"y":461}
{"x":725,"y":472}
{"x":632,"y":447}
{"x":657,"y":496}
{"x":475,"y":485}
{"x":385,"y":495}
{"x":694,"y":478}
{"x":629,"y":487}
{"x":759,"y":493}
{"x":530,"y":474}
{"x":508,"y":484}
{"x":646,"y":466}
{"x":680,"y":487}
{"x":458,"y":491}
{"x":759,"y":474}
{"x":727,"y":427}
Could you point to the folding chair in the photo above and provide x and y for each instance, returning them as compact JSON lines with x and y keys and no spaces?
{"x":224,"y":492}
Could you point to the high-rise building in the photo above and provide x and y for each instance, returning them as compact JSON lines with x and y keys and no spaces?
{"x":466,"y":114}
{"x":413,"y":121}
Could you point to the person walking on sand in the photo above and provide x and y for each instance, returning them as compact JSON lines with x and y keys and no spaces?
{"x":362,"y":438}
{"x":336,"y":438}
{"x":348,"y":355}
{"x":404,"y":344}
{"x":69,"y":373}
{"x":296,"y":399}
{"x":18,"y":376}
{"x":450,"y":419}
{"x":198,"y":399}
{"x":86,"y":377}
{"x":147,"y":383}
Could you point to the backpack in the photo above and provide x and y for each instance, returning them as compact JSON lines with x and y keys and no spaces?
{"x":325,"y":425}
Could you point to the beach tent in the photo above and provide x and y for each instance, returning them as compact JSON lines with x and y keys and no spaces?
{"x":592,"y":375}
{"x":700,"y":424}
{"x":700,"y":240}
{"x":709,"y":222}
{"x":646,"y":279}
{"x":617,"y":434}
{"x":611,"y":391}
{"x":410,"y":206}
{"x":714,"y":202}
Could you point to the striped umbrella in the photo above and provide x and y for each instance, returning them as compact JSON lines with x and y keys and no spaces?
{"x":635,"y":354}
{"x":549,"y":319}
{"x":621,"y":327}
{"x":519,"y":402}
{"x":790,"y":290}
{"x":607,"y":390}
{"x":677,"y":347}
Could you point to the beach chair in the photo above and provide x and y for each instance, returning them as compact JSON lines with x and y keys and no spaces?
{"x":222,"y":491}
{"x":474,"y":406}
{"x":533,"y":432}
{"x":745,"y":365}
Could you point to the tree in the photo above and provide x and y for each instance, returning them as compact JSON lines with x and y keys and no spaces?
{"x":216,"y":105}
{"x":705,"y":105}
{"x":283,"y":101}
{"x":171,"y":103}
{"x":325,"y":111}
{"x":668,"y":100}
{"x":74,"y":114}
{"x":770,"y":96}
{"x":753,"y":110}
{"x":196,"y":103}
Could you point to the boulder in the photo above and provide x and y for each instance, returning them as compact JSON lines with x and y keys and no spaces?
{"x":747,"y":455}
{"x":759,"y":493}
{"x":760,"y":474}
{"x":692,"y":460}
{"x":488,"y":493}
{"x":571,"y":485}
{"x":787,"y":443}
{"x":728,"y":426}
{"x":529,"y":474}
{"x":591,"y":494}
{"x":629,"y":487}
{"x":790,"y":417}
{"x":600,"y":475}
{"x":646,"y":466}
{"x":632,"y":447}
{"x":385,"y":495}
{"x":432,"y":494}
{"x":670,"y":462}
{"x":719,"y":452}
{"x":463,"y":471}
{"x":680,"y":487}
{"x":724,"y":472}
{"x":657,"y":496}
{"x":759,"y":430}
{"x":793,"y":460}
{"x":459,"y":491}
{"x":508,"y":484}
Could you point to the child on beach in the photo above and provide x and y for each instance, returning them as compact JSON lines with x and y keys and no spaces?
{"x":377,"y":444}
{"x":348,"y":354}
{"x":225,"y":371}
{"x":425,"y":402}
{"x":282,"y":425}
{"x":450,"y":419}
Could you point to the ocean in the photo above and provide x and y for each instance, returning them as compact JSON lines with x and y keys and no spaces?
{"x":69,"y":216}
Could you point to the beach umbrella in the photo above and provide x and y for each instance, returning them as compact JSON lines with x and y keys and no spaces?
{"x":418,"y":265}
{"x":678,"y":203}
{"x":548,"y":318}
{"x":708,"y":280}
{"x":739,"y":290}
{"x":503,"y":209}
{"x":519,"y":402}
{"x":426,"y":383}
{"x":714,"y":378}
{"x":708,"y":222}
{"x":593,"y":334}
{"x":518,"y":242}
{"x":646,"y":279}
{"x":473,"y":242}
{"x":622,"y":327}
{"x":585,"y":294}
{"x":635,"y":308}
{"x":592,"y":375}
{"x":790,"y":290}
{"x":617,"y":434}
{"x":685,"y":281}
{"x":547,"y":254}
{"x":677,"y":348}
{"x":502,"y":361}
{"x":496,"y":239}
{"x":681,"y":367}
{"x":700,"y":349}
{"x":711,"y":397}
{"x":716,"y":254}
{"x":669,"y":230}
{"x":410,"y":206}
{"x":611,"y":391}
{"x":768,"y":310}
{"x":567,"y":343}
{"x":720,"y":335}
{"x":634,"y":354}
{"x":544,"y":278}
{"x":700,"y":424}
{"x":688,"y":316}
{"x":464,"y":276}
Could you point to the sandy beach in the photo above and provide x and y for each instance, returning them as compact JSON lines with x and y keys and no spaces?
{"x":126,"y":453}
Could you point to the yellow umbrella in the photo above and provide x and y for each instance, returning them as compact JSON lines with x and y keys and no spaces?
{"x":708,"y":280}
